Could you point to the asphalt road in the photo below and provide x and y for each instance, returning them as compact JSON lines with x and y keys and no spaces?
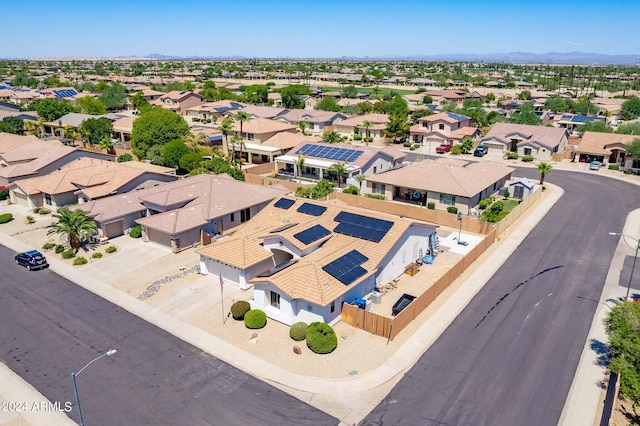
{"x":510,"y":356}
{"x":51,"y":327}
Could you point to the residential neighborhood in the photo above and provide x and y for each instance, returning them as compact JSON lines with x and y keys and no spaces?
{"x":325,"y":230}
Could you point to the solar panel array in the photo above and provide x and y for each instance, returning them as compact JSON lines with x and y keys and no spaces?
{"x":312,"y":234}
{"x":457,"y":116}
{"x":347,"y":269}
{"x":284,"y":203}
{"x":312,"y":209}
{"x":64,"y":93}
{"x":584,"y":118}
{"x":363,"y":227}
{"x":329,"y":152}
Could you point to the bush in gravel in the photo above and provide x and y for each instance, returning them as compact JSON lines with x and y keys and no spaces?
{"x":6,"y":217}
{"x":48,"y":246}
{"x":97,"y":255}
{"x":43,"y":210}
{"x":614,"y":167}
{"x":298,"y":331}
{"x":321,"y":338}
{"x":69,"y":254}
{"x":59,"y":248}
{"x":136,"y":232}
{"x":255,"y":318}
{"x":110,"y":249}
{"x":79,"y":261}
{"x":527,"y":158}
{"x":239,"y":309}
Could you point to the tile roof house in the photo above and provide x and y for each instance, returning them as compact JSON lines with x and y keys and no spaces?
{"x":445,"y":182}
{"x":604,"y":147}
{"x":254,"y":133}
{"x":178,"y":101}
{"x":83,"y":180}
{"x":218,"y":109}
{"x":539,"y":141}
{"x":442,"y":128}
{"x":39,"y":157}
{"x":305,"y":259}
{"x":317,"y":121}
{"x":180,"y":213}
{"x":319,"y":156}
{"x":9,"y":141}
{"x":347,"y":128}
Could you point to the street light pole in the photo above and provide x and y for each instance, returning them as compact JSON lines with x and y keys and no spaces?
{"x":75,"y":387}
{"x":635,"y":258}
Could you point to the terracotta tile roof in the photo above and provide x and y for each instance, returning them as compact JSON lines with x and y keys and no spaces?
{"x":124,"y":124}
{"x":444,"y":116}
{"x":287,"y":140}
{"x":263,"y":111}
{"x":310,"y":116}
{"x":446,"y":175}
{"x":28,"y":158}
{"x":359,"y":119}
{"x":9,"y":141}
{"x":600,"y":143}
{"x":368,"y":152}
{"x":549,"y":137}
{"x":262,"y":125}
{"x":177,"y":95}
{"x":306,"y":279}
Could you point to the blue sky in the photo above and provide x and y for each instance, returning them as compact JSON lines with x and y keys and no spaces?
{"x":306,"y":29}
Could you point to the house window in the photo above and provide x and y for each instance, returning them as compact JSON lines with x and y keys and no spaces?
{"x":527,"y":151}
{"x":448,"y":199}
{"x":635,"y":164}
{"x":47,"y":199}
{"x":495,"y":185}
{"x":233,"y":217}
{"x":333,"y":306}
{"x":375,"y":169}
{"x":378,"y":188}
{"x":440,"y":126}
{"x":245,"y":215}
{"x":275,"y":300}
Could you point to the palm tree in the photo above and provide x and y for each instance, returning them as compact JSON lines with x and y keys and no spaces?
{"x":225,"y":127}
{"x":303,"y":126}
{"x":366,"y":124}
{"x":235,"y":139}
{"x":360,"y":179}
{"x":339,"y":169}
{"x":193,"y":141}
{"x":107,"y":143}
{"x":41,"y":122}
{"x":300,"y":165}
{"x":74,"y":227}
{"x":242,"y":116}
{"x":331,"y":137}
{"x":544,"y":169}
{"x":30,"y":127}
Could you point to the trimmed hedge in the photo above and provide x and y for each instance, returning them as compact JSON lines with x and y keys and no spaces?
{"x":6,"y":217}
{"x":321,"y":338}
{"x":255,"y":318}
{"x":452,"y":209}
{"x":79,"y":261}
{"x":511,"y":155}
{"x":527,"y":158}
{"x":69,"y":254}
{"x":239,"y":309}
{"x":298,"y":331}
{"x":614,"y":167}
{"x":431,"y":205}
{"x":136,"y":232}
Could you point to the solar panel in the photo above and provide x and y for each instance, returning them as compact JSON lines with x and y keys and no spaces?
{"x":347,"y":269}
{"x":312,"y":234}
{"x":329,"y":152}
{"x":457,"y":116}
{"x":284,"y":203}
{"x":363,"y":227}
{"x":312,"y":209}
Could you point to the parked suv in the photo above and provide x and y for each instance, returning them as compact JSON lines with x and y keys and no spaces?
{"x":32,"y":259}
{"x":481,"y":151}
{"x":443,"y":148}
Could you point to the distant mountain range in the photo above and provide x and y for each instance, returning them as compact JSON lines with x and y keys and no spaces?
{"x":512,"y":57}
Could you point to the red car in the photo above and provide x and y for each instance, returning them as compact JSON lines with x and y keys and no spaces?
{"x":443,"y":148}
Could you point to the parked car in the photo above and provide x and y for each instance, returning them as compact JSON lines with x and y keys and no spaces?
{"x":595,"y":165}
{"x":443,"y":148}
{"x":32,"y":259}
{"x":481,"y":151}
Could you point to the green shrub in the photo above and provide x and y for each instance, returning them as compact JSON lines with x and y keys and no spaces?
{"x":412,"y":148}
{"x":452,"y":209}
{"x":255,"y":318}
{"x":37,"y":209}
{"x":136,"y":232}
{"x":321,"y":338}
{"x":351,"y":190}
{"x":298,"y":331}
{"x":110,"y":249}
{"x":6,"y":217}
{"x":506,"y":193}
{"x":375,"y":196}
{"x":239,"y":309}
{"x":59,"y":248}
{"x":4,"y":193}
{"x":29,"y":219}
{"x":79,"y":261}
{"x":69,"y":254}
{"x":527,"y":158}
{"x":416,"y":145}
{"x":628,"y":171}
{"x":44,"y":210}
{"x":483,"y":204}
{"x":407,"y":144}
{"x":497,"y":207}
{"x":614,"y":167}
{"x":357,"y":137}
{"x":96,"y":255}
{"x":124,"y":158}
{"x":431,"y":205}
{"x":48,"y":246}
{"x":511,"y":155}
{"x":456,"y":150}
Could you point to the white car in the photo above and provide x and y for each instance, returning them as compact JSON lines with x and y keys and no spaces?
{"x":595,"y":165}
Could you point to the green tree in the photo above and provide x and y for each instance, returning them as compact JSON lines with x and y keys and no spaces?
{"x":16,"y":122}
{"x":291,"y":97}
{"x":96,"y":129}
{"x":490,"y":97}
{"x":242,"y":117}
{"x":91,"y":105}
{"x":7,"y":128}
{"x":124,"y":158}
{"x":190,"y":160}
{"x":114,"y":96}
{"x":366,"y":124}
{"x":156,"y":127}
{"x":339,"y":170}
{"x":629,"y":129}
{"x":631,"y":108}
{"x":426,"y":99}
{"x":623,"y":328}
{"x":544,"y":169}
{"x":594,"y":126}
{"x":525,"y":95}
{"x":397,"y":127}
{"x":360,"y":179}
{"x":585,"y":107}
{"x":349,"y":92}
{"x":556,"y":104}
{"x":527,"y":115}
{"x":225,"y":127}
{"x":328,"y":103}
{"x":51,"y":110}
{"x":302,"y":125}
{"x":140,"y":103}
{"x":633,"y":148}
{"x":466,"y":146}
{"x":172,"y":151}
{"x":107,"y":144}
{"x":73,"y":227}
{"x":331,"y":136}
{"x":257,"y":94}
{"x":299,"y":166}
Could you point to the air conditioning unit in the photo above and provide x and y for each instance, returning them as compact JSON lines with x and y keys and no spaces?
{"x":376,"y":297}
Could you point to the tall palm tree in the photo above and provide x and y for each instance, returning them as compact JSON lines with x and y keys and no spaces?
{"x":242,"y":116}
{"x":360,"y":179}
{"x":74,"y":227}
{"x":225,"y":127}
{"x":544,"y":169}
{"x":366,"y":124}
{"x":300,"y":165}
{"x":339,"y":169}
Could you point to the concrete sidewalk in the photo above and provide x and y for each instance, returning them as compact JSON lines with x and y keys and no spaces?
{"x":350,"y":399}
